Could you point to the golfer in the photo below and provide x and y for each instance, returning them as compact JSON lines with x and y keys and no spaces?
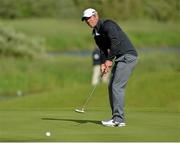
{"x":114,"y":46}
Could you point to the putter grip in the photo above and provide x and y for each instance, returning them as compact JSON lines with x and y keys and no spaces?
{"x":102,"y":74}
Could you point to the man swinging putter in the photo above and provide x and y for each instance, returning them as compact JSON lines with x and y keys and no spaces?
{"x":113,"y":44}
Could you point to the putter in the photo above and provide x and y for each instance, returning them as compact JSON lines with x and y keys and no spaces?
{"x":82,"y":110}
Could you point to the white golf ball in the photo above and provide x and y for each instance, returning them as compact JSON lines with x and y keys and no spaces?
{"x":48,"y":134}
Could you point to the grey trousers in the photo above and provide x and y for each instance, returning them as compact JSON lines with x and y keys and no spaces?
{"x":121,"y":72}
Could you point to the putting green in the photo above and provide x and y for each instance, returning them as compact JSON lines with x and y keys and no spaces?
{"x":67,"y":125}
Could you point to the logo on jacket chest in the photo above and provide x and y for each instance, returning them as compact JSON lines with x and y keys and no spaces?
{"x":96,"y":33}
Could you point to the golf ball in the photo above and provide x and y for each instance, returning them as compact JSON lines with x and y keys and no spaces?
{"x":48,"y":134}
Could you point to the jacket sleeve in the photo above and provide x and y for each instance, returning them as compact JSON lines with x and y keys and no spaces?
{"x":103,"y":57}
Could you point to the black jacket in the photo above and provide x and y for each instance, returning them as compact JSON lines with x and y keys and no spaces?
{"x":111,"y":40}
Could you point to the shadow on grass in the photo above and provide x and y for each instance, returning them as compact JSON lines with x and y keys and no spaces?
{"x":74,"y":120}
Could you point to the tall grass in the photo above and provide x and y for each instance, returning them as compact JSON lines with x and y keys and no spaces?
{"x":64,"y":81}
{"x":156,"y":80}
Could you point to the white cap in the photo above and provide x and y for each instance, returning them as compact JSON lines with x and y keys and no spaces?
{"x":88,"y":13}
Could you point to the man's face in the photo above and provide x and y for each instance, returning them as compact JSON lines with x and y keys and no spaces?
{"x":92,"y":21}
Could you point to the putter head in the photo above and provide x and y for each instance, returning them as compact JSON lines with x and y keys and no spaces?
{"x":79,"y":110}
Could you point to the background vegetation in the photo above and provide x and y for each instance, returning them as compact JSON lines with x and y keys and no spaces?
{"x":62,"y":35}
{"x":162,"y":10}
{"x":16,"y":44}
{"x":152,"y":23}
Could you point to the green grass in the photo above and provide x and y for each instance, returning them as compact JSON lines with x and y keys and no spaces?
{"x":52,"y":88}
{"x":66,"y":125}
{"x":63,"y":35}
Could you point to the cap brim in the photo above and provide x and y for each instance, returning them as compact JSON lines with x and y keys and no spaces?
{"x":83,"y":18}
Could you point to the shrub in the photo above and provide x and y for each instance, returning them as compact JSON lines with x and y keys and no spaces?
{"x":16,"y":44}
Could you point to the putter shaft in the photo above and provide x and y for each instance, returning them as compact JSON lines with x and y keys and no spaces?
{"x":89,"y":97}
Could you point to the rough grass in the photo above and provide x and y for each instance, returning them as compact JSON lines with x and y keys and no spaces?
{"x":155,"y":77}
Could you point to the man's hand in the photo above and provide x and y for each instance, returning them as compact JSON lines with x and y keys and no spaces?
{"x":105,"y":68}
{"x":108,"y":63}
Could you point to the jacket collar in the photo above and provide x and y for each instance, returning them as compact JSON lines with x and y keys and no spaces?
{"x":99,"y":25}
{"x":97,"y":28}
